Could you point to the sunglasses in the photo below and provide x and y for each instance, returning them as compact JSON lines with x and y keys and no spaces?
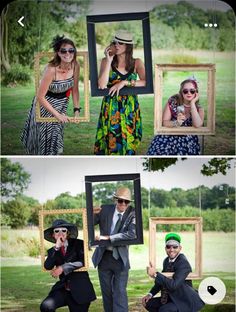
{"x":64,"y":50}
{"x":60,"y":230}
{"x":115,"y":42}
{"x":192,"y":91}
{"x":169,"y":246}
{"x":121,"y":201}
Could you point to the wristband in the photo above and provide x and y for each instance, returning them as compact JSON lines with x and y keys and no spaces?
{"x":77,"y":109}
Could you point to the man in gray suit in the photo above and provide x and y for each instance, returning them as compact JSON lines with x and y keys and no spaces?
{"x":177,"y":293}
{"x":117,"y":224}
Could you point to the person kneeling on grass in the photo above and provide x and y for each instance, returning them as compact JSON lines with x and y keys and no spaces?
{"x":74,"y":289}
{"x":177,"y":293}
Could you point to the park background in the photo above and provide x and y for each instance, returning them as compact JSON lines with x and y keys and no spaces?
{"x":178,"y":35}
{"x":169,"y":187}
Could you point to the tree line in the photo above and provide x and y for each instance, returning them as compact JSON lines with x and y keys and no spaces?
{"x":173,"y":26}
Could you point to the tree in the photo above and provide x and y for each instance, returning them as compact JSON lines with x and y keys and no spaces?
{"x":215,"y":165}
{"x":14,"y":179}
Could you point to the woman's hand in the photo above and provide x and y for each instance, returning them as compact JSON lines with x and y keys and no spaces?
{"x":109,"y":54}
{"x":62,"y":118}
{"x":195,"y":99}
{"x":116,"y":88}
{"x":180,"y":118}
{"x":59,"y":242}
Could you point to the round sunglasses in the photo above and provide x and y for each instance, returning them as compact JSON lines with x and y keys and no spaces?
{"x":60,"y":230}
{"x":64,"y":50}
{"x":121,"y":201}
{"x":192,"y":91}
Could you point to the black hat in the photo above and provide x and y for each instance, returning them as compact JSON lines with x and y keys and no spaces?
{"x":72,"y":228}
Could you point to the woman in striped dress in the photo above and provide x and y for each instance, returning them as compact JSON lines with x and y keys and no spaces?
{"x":59,"y":79}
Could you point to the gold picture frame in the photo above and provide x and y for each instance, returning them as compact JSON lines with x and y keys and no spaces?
{"x":209,"y":128}
{"x":197,"y":222}
{"x":86,"y":116}
{"x":83,"y":212}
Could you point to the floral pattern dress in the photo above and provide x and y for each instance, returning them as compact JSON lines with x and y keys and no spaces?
{"x":175,"y":144}
{"x":119,"y":129}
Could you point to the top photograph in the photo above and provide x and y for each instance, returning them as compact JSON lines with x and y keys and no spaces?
{"x":118,"y":78}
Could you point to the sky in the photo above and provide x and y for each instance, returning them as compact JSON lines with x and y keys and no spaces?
{"x":53,"y":176}
{"x":129,"y":6}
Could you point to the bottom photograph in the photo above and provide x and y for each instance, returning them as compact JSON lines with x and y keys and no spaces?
{"x":117,"y":234}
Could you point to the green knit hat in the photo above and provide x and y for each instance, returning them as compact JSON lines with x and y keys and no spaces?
{"x":173,"y":237}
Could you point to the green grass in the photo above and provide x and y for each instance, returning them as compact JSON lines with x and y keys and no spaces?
{"x":79,"y":138}
{"x":23,"y":288}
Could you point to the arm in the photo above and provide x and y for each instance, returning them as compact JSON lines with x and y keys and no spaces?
{"x":105,"y":69}
{"x":50,"y":262}
{"x":130,"y":233}
{"x":140,"y":69}
{"x":75,"y":89}
{"x":43,"y":88}
{"x":197,"y":115}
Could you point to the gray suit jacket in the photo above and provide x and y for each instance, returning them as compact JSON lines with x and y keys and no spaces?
{"x":127,"y":232}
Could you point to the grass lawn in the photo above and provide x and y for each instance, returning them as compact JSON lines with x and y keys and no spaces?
{"x":79,"y":138}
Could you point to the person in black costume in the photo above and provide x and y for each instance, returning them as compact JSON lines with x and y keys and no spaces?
{"x":177,"y":293}
{"x":74,"y":288}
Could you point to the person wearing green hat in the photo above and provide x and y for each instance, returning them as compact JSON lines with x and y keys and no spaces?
{"x":74,"y":289}
{"x":177,"y":293}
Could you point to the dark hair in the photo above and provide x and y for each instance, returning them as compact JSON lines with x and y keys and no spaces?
{"x":129,"y":60}
{"x":179,"y":96}
{"x":56,"y":44}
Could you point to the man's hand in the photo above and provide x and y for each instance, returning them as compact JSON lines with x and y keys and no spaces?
{"x":146,"y":299}
{"x":151,"y":271}
{"x":57,"y":271}
{"x":102,"y":237}
{"x":97,"y":210}
{"x":60,"y":241}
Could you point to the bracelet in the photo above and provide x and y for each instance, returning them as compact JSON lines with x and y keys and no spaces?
{"x":133,"y":83}
{"x":77,"y":109}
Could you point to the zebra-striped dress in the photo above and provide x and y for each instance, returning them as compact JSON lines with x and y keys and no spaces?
{"x":46,"y":138}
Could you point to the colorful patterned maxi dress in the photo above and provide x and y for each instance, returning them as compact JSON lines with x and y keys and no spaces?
{"x":46,"y":138}
{"x":175,"y":144}
{"x":119,"y":129}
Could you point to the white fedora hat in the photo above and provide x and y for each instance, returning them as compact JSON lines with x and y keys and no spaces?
{"x":124,"y":37}
{"x":123,"y":193}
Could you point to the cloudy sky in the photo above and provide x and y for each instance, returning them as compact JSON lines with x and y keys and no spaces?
{"x":52,"y":176}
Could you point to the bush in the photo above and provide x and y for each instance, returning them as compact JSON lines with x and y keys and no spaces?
{"x":18,"y":74}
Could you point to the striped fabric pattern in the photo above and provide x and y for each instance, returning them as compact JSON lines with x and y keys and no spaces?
{"x":46,"y":138}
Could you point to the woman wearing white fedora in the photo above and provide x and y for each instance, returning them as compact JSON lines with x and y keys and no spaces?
{"x":119,"y":129}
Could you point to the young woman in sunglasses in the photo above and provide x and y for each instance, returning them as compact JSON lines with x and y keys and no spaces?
{"x":119,"y":129}
{"x":181,"y":110}
{"x":59,"y":80}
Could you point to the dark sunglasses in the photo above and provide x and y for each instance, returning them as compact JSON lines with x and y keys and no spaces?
{"x":169,"y":246}
{"x":64,"y":50}
{"x":192,"y":91}
{"x":121,"y":201}
{"x":57,"y":231}
{"x":115,"y":42}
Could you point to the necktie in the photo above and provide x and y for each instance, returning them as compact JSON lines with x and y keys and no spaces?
{"x":63,"y":250}
{"x":115,"y":252}
{"x":164,"y":291}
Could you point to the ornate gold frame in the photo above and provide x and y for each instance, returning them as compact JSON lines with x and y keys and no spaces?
{"x":197,"y":221}
{"x":82,"y":211}
{"x":86,"y":117}
{"x":209,"y":129}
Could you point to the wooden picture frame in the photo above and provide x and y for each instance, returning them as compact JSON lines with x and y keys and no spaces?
{"x":135,"y":179}
{"x":209,"y":128}
{"x":197,"y":222}
{"x":91,"y":21}
{"x":85,"y":115}
{"x":82,"y":211}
